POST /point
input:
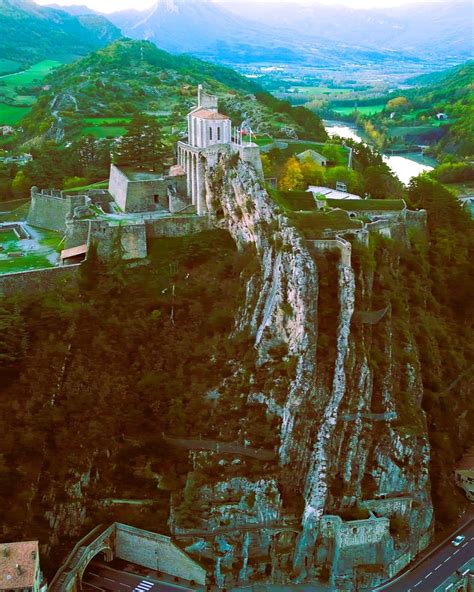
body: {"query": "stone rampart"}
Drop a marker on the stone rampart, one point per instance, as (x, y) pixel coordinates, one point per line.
(396, 506)
(177, 226)
(49, 209)
(156, 551)
(129, 237)
(38, 280)
(250, 153)
(417, 220)
(339, 244)
(145, 195)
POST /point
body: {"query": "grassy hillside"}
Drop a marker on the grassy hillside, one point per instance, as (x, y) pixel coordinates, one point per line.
(30, 33)
(411, 116)
(97, 95)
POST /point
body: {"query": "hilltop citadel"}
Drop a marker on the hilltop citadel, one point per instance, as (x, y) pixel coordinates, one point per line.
(139, 205)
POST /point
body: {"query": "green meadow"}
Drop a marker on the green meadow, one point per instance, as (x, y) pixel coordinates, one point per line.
(16, 90)
(365, 110)
(10, 115)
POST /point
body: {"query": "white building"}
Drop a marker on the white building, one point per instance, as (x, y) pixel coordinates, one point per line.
(209, 133)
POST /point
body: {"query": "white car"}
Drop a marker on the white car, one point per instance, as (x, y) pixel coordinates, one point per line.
(458, 540)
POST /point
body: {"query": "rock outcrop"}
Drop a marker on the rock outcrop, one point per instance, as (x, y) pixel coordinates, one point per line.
(352, 478)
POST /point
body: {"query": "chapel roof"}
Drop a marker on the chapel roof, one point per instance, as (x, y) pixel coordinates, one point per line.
(207, 114)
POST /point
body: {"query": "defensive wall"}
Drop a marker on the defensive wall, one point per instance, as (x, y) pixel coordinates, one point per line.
(144, 192)
(347, 544)
(177, 226)
(49, 209)
(37, 280)
(130, 237)
(343, 247)
(134, 545)
(394, 506)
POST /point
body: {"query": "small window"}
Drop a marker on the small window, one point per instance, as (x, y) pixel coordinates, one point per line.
(218, 133)
(156, 198)
(210, 133)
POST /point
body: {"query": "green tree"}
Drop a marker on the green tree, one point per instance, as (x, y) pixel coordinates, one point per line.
(142, 146)
(353, 179)
(21, 184)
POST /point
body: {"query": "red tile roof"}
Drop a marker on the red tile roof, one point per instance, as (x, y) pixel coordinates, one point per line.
(19, 563)
(74, 252)
(206, 114)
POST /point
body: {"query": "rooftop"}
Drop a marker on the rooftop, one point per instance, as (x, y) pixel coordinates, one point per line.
(18, 565)
(74, 252)
(311, 154)
(138, 175)
(207, 114)
(329, 193)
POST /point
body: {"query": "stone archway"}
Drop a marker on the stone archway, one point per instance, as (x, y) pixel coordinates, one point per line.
(107, 553)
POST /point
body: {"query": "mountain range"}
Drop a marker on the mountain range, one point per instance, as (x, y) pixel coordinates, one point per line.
(242, 32)
(30, 33)
(427, 30)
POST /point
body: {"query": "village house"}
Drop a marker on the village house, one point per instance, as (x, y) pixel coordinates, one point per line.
(314, 156)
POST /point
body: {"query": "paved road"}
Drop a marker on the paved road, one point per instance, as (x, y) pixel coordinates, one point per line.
(437, 566)
(99, 576)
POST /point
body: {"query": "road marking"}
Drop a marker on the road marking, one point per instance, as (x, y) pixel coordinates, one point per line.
(438, 566)
(428, 575)
(466, 543)
(455, 552)
(96, 587)
(447, 559)
(417, 584)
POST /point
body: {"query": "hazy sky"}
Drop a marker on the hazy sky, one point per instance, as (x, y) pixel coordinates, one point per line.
(113, 5)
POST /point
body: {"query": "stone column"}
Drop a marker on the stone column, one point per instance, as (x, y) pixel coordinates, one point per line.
(201, 200)
(194, 179)
(188, 172)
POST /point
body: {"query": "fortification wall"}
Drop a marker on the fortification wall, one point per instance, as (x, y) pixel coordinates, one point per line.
(156, 552)
(177, 226)
(130, 238)
(417, 220)
(36, 281)
(146, 195)
(251, 155)
(118, 186)
(398, 506)
(48, 212)
(342, 246)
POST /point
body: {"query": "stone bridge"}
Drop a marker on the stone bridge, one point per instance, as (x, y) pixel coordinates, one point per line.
(147, 549)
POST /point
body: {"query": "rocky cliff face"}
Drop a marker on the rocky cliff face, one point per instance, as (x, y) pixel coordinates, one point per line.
(352, 438)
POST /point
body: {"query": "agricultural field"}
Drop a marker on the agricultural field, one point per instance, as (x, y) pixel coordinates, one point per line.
(364, 110)
(10, 115)
(8, 66)
(317, 91)
(103, 131)
(16, 90)
(401, 131)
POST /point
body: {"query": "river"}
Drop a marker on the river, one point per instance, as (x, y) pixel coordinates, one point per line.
(405, 167)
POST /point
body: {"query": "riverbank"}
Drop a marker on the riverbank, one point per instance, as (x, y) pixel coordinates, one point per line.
(404, 167)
